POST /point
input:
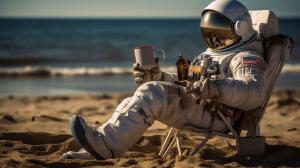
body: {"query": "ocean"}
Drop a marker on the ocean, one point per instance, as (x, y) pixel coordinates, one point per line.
(93, 56)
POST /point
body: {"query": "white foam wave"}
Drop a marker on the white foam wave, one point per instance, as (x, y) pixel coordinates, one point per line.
(93, 71)
(64, 71)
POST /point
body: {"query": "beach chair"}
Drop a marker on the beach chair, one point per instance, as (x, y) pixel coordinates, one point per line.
(278, 49)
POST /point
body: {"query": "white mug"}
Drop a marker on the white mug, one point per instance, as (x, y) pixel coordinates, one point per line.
(145, 56)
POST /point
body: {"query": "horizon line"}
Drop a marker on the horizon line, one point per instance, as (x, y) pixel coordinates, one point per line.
(117, 18)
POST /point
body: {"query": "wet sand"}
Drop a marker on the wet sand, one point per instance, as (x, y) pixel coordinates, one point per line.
(35, 132)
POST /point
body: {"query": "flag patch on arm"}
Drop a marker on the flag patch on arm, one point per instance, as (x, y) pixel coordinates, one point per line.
(257, 61)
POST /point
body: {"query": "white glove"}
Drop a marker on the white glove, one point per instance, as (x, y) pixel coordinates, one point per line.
(203, 89)
(141, 76)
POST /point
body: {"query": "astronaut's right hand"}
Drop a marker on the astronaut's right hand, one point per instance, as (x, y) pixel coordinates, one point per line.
(204, 89)
(141, 76)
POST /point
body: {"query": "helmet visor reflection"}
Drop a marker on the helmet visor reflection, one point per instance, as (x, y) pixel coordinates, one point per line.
(217, 30)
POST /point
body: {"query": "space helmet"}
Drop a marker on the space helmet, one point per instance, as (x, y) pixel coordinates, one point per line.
(226, 24)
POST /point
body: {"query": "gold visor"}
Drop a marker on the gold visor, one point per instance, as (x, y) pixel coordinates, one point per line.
(217, 30)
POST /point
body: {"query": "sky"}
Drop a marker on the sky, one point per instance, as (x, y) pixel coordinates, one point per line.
(131, 8)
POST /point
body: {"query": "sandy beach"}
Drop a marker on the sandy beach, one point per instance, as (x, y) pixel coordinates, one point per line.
(35, 132)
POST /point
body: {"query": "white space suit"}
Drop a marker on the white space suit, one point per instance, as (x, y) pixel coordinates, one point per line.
(239, 85)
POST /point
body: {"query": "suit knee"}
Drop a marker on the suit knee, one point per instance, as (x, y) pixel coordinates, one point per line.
(150, 88)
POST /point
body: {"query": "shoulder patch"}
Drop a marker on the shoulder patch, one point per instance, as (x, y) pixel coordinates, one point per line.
(254, 60)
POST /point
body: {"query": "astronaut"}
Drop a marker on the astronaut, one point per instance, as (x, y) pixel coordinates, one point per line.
(226, 27)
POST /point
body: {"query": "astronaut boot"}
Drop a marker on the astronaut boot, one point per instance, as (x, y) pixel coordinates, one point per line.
(117, 135)
(89, 138)
(81, 154)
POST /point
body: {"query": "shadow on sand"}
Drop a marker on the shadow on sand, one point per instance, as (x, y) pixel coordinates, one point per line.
(275, 156)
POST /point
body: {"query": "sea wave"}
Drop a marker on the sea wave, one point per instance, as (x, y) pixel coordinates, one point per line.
(31, 71)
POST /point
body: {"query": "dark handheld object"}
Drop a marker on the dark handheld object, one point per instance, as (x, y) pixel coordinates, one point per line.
(182, 68)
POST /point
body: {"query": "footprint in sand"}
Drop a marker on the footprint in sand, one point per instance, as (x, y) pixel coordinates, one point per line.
(7, 119)
(87, 111)
(47, 117)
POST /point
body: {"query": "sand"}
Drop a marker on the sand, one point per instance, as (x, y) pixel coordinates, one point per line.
(35, 132)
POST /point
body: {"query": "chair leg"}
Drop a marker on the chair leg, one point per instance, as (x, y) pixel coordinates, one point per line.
(165, 144)
(253, 130)
(170, 146)
(228, 125)
(199, 146)
(178, 146)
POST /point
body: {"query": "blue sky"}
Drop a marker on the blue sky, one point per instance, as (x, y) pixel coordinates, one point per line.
(131, 8)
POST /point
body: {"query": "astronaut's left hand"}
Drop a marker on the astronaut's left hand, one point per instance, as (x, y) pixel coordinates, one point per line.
(141, 76)
(203, 88)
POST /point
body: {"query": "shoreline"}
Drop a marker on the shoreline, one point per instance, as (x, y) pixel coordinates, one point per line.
(109, 94)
